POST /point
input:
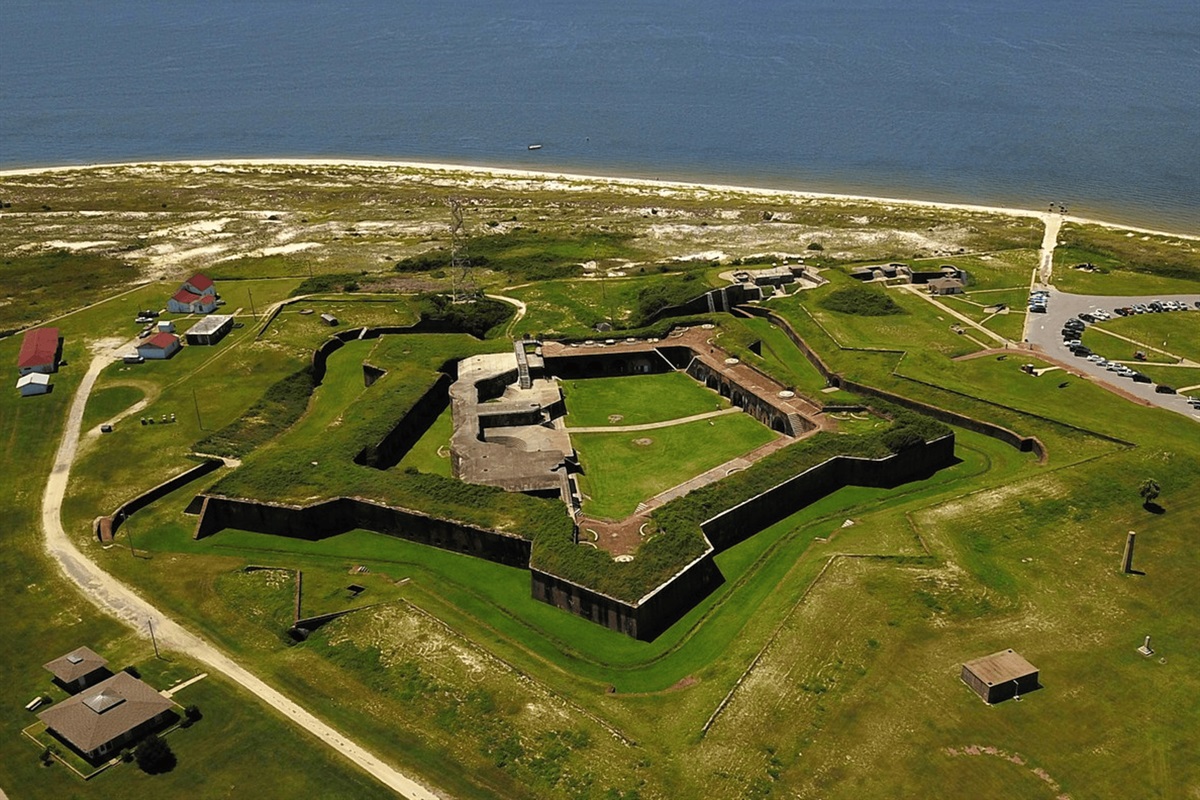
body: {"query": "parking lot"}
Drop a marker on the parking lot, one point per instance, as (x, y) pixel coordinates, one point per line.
(1044, 331)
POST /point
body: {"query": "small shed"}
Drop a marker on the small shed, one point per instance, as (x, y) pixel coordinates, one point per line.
(330, 320)
(1000, 676)
(160, 345)
(78, 669)
(166, 326)
(33, 383)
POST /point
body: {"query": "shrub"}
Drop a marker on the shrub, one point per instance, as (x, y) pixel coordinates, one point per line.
(324, 284)
(154, 756)
(476, 317)
(192, 713)
(861, 301)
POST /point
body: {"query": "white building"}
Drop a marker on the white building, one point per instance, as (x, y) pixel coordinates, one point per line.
(33, 383)
(160, 345)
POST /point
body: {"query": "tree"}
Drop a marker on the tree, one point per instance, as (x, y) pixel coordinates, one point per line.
(1149, 491)
(154, 756)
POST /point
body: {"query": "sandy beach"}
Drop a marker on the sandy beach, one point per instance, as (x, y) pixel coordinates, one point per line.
(499, 173)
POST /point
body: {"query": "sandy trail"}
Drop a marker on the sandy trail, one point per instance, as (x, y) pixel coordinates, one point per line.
(521, 309)
(115, 598)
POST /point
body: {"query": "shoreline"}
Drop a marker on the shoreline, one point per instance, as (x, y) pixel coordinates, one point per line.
(518, 173)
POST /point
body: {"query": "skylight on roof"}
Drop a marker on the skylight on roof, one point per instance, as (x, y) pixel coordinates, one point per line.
(105, 701)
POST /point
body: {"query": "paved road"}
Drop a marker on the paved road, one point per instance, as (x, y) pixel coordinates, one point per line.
(1044, 331)
(118, 599)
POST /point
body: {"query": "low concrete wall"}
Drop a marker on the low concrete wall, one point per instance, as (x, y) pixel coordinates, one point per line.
(106, 527)
(342, 514)
(781, 501)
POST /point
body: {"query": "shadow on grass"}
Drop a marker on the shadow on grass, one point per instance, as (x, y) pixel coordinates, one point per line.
(1154, 508)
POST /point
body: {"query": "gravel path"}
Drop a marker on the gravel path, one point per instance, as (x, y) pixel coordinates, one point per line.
(114, 597)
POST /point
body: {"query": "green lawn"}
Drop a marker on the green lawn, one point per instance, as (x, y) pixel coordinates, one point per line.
(636, 399)
(999, 270)
(620, 470)
(1174, 332)
(431, 453)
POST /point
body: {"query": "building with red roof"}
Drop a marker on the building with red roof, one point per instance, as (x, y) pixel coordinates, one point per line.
(188, 302)
(40, 351)
(160, 345)
(200, 284)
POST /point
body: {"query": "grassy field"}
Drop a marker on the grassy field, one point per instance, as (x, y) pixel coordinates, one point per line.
(636, 399)
(622, 469)
(1174, 333)
(833, 645)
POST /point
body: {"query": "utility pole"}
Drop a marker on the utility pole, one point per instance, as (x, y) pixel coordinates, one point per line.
(252, 311)
(129, 538)
(150, 623)
(196, 403)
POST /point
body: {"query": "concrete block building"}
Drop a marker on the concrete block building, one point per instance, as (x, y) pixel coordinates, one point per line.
(1000, 676)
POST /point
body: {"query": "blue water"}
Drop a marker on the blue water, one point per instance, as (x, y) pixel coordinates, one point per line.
(1092, 104)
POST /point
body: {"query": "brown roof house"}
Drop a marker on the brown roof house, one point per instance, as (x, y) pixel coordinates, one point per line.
(100, 721)
(945, 286)
(78, 669)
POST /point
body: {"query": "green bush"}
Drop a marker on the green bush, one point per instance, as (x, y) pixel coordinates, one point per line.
(860, 301)
(476, 317)
(325, 284)
(154, 756)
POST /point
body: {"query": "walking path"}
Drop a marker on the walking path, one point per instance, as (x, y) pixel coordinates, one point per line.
(521, 309)
(963, 318)
(649, 426)
(1049, 242)
(115, 598)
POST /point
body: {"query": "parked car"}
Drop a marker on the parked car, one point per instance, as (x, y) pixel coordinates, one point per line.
(1139, 377)
(1162, 388)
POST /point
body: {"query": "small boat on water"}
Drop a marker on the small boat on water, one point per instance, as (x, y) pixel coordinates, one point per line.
(535, 147)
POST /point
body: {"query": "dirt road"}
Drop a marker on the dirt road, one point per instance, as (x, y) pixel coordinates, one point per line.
(113, 597)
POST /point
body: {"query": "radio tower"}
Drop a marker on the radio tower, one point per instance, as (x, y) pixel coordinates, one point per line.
(460, 262)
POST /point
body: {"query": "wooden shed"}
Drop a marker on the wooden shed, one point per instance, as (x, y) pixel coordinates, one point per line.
(1000, 676)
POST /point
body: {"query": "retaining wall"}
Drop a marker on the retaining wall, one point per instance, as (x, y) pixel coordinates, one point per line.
(409, 429)
(1023, 443)
(645, 619)
(342, 514)
(781, 501)
(107, 526)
